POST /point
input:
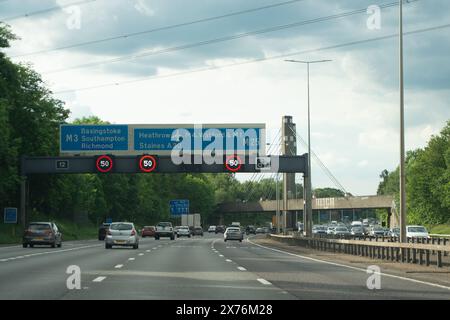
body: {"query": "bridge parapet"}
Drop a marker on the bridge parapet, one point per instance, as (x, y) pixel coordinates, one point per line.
(362, 202)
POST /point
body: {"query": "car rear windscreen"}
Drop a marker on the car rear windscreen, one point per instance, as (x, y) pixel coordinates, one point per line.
(164, 224)
(121, 226)
(39, 227)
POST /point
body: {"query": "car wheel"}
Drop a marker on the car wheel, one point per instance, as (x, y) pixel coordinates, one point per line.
(189, 236)
(136, 246)
(240, 240)
(156, 238)
(24, 245)
(60, 245)
(31, 245)
(225, 240)
(172, 238)
(53, 245)
(107, 246)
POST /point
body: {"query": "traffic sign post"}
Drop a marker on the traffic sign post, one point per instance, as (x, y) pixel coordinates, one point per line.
(104, 163)
(179, 207)
(147, 163)
(10, 215)
(233, 163)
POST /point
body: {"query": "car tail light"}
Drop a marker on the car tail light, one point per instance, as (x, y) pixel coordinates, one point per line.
(133, 232)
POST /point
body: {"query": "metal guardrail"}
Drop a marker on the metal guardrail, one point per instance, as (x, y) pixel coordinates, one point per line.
(421, 253)
(433, 239)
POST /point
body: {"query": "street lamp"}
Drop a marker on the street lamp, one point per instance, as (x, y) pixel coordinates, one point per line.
(307, 212)
(402, 133)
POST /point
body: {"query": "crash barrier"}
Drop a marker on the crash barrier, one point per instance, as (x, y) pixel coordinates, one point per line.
(416, 253)
(433, 239)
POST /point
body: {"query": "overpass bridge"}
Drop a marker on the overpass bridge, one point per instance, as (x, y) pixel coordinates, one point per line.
(324, 209)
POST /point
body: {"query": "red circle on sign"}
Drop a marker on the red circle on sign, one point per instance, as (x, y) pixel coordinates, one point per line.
(147, 157)
(233, 157)
(107, 158)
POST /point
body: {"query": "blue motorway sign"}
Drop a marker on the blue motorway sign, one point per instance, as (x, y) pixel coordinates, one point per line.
(164, 139)
(179, 207)
(133, 139)
(109, 220)
(88, 138)
(10, 215)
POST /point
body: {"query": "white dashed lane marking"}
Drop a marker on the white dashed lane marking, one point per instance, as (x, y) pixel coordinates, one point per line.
(131, 259)
(119, 266)
(99, 279)
(264, 281)
(242, 268)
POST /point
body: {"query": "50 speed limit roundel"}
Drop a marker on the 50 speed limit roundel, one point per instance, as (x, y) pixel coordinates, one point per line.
(147, 163)
(104, 163)
(233, 163)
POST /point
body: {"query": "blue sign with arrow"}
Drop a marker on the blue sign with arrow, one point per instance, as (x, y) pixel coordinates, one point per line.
(179, 207)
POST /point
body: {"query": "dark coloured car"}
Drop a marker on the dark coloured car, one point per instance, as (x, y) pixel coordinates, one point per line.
(148, 231)
(102, 231)
(250, 230)
(220, 229)
(198, 231)
(42, 233)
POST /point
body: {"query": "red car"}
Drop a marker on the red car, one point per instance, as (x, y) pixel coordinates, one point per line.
(148, 231)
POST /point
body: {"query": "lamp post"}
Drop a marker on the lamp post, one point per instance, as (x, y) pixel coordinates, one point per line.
(307, 212)
(402, 132)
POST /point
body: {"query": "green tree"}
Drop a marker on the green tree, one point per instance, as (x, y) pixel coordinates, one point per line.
(328, 193)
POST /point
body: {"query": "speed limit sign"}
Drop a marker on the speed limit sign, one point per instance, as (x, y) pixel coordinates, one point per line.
(233, 163)
(147, 163)
(104, 164)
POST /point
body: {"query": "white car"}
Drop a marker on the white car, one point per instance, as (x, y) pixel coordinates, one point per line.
(416, 232)
(183, 231)
(233, 233)
(330, 230)
(212, 229)
(121, 234)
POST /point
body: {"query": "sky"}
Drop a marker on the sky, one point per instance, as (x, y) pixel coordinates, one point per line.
(222, 61)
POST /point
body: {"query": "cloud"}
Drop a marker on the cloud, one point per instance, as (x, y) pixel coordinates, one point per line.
(354, 99)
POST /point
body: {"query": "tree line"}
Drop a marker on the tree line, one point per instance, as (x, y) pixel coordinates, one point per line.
(427, 181)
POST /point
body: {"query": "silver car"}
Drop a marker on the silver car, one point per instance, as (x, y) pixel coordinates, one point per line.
(341, 231)
(233, 233)
(184, 231)
(122, 234)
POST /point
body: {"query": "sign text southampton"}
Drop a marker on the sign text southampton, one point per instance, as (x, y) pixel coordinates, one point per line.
(161, 139)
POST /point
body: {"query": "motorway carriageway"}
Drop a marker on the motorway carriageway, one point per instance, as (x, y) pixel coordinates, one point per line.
(192, 268)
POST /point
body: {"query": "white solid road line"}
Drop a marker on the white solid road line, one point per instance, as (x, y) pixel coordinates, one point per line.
(119, 266)
(242, 268)
(48, 252)
(353, 268)
(99, 279)
(264, 281)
